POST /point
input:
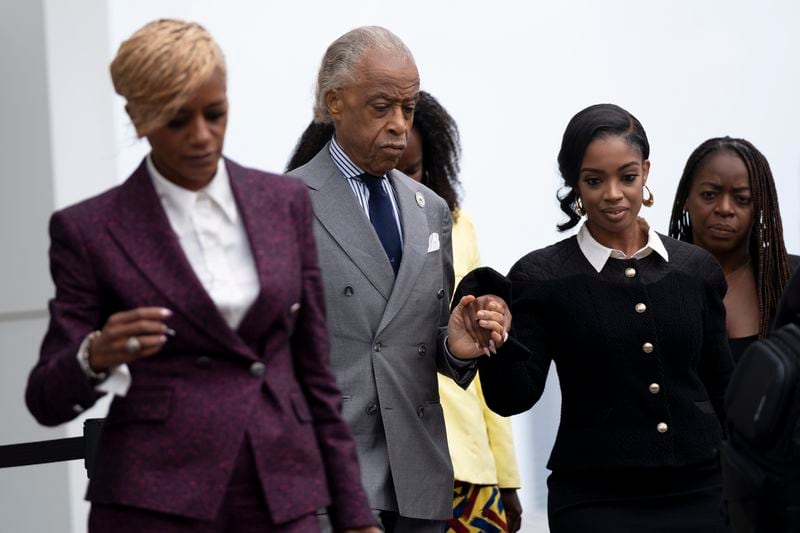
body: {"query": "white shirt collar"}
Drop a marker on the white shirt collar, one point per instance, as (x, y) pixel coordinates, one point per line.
(598, 255)
(183, 200)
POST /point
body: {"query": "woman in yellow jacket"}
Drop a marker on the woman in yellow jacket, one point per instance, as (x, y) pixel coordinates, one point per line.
(480, 441)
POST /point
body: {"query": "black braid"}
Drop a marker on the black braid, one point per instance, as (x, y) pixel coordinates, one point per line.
(767, 249)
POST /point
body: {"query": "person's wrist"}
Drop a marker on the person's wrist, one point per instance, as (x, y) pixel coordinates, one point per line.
(449, 351)
(86, 358)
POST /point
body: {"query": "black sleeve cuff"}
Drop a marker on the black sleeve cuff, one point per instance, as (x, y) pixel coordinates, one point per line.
(481, 281)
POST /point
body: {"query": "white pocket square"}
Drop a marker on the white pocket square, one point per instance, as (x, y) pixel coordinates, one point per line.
(433, 242)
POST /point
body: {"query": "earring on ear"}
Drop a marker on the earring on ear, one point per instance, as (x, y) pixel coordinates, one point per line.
(579, 207)
(650, 200)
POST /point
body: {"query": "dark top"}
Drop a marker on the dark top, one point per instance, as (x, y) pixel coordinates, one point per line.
(739, 345)
(640, 386)
(789, 308)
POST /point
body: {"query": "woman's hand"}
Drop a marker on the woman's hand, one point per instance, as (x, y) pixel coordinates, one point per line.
(128, 336)
(513, 509)
(478, 326)
(364, 530)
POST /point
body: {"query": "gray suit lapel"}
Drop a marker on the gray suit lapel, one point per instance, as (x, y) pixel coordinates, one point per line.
(337, 209)
(415, 245)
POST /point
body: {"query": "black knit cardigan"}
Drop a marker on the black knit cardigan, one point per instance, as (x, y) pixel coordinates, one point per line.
(640, 348)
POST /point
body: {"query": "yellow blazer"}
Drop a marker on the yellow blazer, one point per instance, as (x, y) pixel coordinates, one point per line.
(480, 441)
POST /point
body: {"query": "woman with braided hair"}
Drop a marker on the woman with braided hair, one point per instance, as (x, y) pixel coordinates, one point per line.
(726, 202)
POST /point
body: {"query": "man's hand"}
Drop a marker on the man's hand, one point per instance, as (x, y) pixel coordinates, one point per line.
(478, 326)
(513, 509)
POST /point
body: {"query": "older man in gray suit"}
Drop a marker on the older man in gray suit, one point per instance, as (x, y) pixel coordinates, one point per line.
(386, 259)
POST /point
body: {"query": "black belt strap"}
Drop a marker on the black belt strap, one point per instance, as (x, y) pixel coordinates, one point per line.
(45, 451)
(51, 451)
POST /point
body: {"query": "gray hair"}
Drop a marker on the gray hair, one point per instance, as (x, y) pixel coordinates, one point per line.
(342, 56)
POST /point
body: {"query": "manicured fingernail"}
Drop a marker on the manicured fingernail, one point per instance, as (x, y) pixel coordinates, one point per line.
(165, 312)
(492, 347)
(170, 332)
(486, 352)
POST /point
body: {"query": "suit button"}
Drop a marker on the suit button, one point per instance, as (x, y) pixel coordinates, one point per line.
(640, 308)
(655, 388)
(440, 293)
(348, 291)
(662, 427)
(257, 369)
(377, 347)
(371, 409)
(630, 272)
(203, 362)
(647, 347)
(420, 411)
(422, 349)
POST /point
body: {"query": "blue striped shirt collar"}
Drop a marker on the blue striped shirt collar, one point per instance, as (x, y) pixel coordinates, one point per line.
(343, 162)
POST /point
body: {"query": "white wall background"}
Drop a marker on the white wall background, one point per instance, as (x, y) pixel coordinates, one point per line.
(511, 73)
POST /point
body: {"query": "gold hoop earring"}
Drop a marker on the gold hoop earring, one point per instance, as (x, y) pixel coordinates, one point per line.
(579, 207)
(650, 200)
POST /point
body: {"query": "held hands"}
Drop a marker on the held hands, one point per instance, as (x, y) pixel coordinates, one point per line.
(478, 326)
(128, 336)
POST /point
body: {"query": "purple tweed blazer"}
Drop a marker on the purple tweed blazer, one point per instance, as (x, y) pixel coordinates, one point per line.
(171, 443)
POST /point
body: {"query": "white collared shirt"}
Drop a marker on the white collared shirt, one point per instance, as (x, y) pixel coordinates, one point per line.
(213, 238)
(598, 255)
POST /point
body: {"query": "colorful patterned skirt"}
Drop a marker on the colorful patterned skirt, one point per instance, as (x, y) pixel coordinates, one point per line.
(476, 509)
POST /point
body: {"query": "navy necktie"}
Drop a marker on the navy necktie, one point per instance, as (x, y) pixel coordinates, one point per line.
(383, 220)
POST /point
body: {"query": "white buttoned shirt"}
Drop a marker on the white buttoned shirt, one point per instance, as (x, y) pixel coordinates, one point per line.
(211, 234)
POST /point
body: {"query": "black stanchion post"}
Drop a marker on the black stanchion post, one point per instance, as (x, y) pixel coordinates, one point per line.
(92, 428)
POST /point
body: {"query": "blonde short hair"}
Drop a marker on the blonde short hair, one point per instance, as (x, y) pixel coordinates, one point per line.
(160, 67)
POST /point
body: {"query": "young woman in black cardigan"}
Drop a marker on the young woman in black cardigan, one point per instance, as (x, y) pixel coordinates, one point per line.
(635, 323)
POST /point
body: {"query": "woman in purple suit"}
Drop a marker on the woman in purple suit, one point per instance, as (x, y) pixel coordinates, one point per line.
(192, 293)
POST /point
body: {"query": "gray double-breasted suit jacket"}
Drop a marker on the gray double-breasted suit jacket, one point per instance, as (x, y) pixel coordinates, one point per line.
(387, 336)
